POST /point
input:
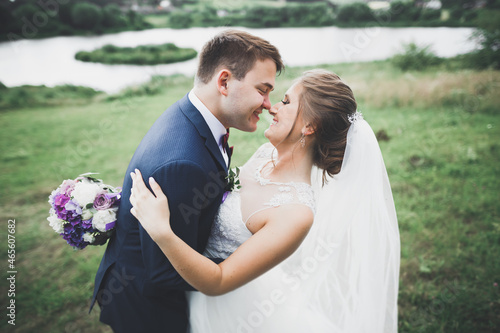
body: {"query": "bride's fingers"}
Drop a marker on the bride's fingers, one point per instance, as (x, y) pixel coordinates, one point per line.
(138, 178)
(133, 212)
(158, 192)
(138, 183)
(133, 176)
(132, 199)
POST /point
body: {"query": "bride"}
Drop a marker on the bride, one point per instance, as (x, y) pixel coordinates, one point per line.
(310, 241)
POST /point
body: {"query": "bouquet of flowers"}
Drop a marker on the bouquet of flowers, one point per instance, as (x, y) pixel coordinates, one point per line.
(83, 211)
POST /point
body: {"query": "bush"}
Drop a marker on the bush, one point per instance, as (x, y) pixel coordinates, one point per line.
(86, 16)
(180, 20)
(27, 11)
(430, 15)
(356, 12)
(65, 12)
(112, 16)
(110, 48)
(415, 58)
(83, 56)
(9, 22)
(404, 11)
(488, 36)
(456, 13)
(312, 15)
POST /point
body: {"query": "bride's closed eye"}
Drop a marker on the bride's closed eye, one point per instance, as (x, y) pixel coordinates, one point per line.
(285, 101)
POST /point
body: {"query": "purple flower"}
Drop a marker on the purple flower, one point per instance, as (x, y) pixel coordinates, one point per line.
(67, 187)
(224, 196)
(71, 205)
(68, 228)
(72, 212)
(75, 238)
(60, 200)
(105, 200)
(52, 197)
(110, 225)
(116, 196)
(87, 224)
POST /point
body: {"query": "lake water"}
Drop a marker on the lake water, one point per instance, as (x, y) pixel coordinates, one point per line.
(51, 61)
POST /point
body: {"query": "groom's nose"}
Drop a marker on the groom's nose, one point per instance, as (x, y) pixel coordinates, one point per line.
(266, 103)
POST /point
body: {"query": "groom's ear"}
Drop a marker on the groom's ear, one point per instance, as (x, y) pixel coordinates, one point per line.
(222, 80)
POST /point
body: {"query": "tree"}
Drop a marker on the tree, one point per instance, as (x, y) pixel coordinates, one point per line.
(404, 11)
(180, 19)
(458, 3)
(112, 16)
(86, 16)
(493, 4)
(27, 10)
(179, 3)
(356, 12)
(488, 36)
(9, 22)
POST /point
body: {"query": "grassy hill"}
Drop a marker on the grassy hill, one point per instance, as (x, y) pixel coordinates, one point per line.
(439, 133)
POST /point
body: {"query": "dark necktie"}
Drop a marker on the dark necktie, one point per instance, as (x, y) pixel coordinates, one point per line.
(224, 140)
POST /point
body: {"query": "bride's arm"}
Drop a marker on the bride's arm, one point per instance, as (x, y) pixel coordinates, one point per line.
(281, 235)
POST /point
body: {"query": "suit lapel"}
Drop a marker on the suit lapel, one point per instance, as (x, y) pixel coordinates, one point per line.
(229, 151)
(196, 118)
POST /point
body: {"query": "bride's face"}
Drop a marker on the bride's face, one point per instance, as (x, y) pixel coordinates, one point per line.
(284, 114)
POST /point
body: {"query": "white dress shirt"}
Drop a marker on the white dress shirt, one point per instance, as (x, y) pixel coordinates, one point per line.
(218, 130)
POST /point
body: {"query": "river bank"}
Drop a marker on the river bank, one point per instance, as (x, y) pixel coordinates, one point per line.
(51, 61)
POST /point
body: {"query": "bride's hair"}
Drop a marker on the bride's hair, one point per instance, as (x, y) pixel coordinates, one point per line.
(326, 102)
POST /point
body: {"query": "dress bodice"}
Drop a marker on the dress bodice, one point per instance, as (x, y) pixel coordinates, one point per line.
(229, 229)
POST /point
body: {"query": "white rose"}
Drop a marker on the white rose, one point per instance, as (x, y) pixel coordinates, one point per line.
(84, 193)
(86, 214)
(103, 217)
(56, 223)
(88, 237)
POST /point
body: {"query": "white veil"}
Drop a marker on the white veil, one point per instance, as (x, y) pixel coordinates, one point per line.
(347, 268)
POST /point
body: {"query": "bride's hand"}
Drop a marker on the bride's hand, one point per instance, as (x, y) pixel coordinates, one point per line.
(152, 211)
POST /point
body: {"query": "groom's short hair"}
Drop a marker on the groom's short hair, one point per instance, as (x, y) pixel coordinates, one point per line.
(237, 51)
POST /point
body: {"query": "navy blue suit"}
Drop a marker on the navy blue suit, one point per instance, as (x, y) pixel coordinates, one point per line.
(136, 286)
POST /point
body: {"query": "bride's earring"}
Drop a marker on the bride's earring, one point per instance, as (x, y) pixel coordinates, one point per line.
(303, 141)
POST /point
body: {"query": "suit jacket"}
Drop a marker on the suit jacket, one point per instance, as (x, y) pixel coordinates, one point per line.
(136, 286)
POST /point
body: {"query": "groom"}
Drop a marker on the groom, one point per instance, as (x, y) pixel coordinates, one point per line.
(136, 287)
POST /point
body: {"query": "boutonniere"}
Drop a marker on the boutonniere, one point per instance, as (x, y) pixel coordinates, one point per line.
(233, 182)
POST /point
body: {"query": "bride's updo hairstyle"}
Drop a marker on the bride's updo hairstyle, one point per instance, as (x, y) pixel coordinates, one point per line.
(325, 103)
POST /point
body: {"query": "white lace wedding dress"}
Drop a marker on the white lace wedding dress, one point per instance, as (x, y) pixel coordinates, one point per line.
(264, 304)
(344, 276)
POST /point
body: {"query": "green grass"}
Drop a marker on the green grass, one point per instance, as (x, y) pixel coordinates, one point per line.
(32, 96)
(442, 156)
(157, 20)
